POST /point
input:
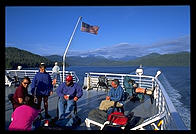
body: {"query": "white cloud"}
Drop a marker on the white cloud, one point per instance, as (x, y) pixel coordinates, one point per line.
(126, 49)
(117, 50)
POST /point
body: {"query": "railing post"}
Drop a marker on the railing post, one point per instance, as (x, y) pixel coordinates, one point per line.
(88, 81)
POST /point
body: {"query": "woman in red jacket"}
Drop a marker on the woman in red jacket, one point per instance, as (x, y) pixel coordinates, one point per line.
(21, 92)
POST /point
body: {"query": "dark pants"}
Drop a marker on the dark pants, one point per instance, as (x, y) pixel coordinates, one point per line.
(45, 99)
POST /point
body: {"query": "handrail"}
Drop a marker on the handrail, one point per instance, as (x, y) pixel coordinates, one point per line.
(143, 76)
(161, 98)
(31, 73)
(143, 81)
(172, 110)
(150, 120)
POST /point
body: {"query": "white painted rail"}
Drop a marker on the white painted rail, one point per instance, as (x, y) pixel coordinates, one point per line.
(166, 111)
(31, 74)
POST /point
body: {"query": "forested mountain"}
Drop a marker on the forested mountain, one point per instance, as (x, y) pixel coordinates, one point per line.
(55, 58)
(15, 57)
(154, 59)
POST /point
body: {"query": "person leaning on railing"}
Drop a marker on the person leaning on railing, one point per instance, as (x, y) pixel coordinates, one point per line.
(56, 74)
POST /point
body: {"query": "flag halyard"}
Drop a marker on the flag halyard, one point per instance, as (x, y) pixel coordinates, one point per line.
(88, 28)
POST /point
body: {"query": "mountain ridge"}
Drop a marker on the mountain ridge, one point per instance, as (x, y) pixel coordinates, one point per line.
(15, 57)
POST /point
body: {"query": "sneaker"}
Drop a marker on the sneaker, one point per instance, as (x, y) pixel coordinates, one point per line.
(47, 116)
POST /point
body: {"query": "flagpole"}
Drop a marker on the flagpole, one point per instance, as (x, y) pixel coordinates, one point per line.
(68, 47)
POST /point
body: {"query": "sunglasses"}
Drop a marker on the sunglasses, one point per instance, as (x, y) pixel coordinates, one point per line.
(26, 83)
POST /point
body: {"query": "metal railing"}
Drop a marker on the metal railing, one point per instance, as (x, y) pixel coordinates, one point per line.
(172, 119)
(166, 111)
(31, 74)
(143, 81)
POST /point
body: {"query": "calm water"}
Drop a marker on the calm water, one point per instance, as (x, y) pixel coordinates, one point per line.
(176, 80)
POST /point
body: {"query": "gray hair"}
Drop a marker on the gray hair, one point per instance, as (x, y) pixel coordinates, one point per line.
(116, 81)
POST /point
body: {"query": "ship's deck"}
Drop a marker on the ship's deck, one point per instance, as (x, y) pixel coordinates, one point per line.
(90, 100)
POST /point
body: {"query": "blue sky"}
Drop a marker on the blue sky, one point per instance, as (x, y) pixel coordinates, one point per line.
(124, 30)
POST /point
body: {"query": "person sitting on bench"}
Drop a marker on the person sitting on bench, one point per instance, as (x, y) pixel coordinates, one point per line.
(69, 92)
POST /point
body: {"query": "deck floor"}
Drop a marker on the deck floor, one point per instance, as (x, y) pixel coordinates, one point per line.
(90, 100)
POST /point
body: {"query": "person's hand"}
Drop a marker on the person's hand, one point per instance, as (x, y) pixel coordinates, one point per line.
(76, 98)
(66, 97)
(35, 100)
(51, 92)
(107, 97)
(54, 82)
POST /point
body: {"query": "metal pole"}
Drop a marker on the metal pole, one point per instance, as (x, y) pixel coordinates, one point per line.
(68, 47)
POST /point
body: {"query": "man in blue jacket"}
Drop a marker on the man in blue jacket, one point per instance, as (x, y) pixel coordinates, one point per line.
(115, 94)
(68, 92)
(42, 87)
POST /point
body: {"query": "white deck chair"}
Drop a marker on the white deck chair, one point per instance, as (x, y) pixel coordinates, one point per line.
(149, 121)
(7, 81)
(89, 121)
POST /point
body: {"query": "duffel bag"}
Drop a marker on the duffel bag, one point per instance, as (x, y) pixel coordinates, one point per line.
(118, 118)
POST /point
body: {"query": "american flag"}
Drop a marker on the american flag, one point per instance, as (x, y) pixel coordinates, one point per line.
(88, 28)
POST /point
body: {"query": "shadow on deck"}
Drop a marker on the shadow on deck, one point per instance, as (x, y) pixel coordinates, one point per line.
(90, 100)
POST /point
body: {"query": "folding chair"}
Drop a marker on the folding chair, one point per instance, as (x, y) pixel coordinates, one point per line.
(102, 82)
(101, 125)
(10, 98)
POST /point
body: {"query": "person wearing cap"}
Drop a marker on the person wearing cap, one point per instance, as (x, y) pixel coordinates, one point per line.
(68, 92)
(42, 87)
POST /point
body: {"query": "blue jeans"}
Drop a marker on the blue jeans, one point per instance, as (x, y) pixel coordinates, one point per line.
(65, 107)
(57, 77)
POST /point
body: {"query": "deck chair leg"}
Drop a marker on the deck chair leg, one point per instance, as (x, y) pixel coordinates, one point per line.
(87, 123)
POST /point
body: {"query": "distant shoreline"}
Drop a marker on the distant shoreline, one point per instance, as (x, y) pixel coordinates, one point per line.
(16, 57)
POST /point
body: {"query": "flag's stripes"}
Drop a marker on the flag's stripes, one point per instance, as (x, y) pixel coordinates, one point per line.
(88, 28)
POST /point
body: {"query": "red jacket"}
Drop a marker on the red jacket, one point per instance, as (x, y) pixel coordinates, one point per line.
(20, 92)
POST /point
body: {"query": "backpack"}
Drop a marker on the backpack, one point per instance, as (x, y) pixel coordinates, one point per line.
(118, 118)
(125, 96)
(71, 122)
(133, 122)
(128, 87)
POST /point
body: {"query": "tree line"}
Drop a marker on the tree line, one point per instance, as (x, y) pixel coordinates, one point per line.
(15, 57)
